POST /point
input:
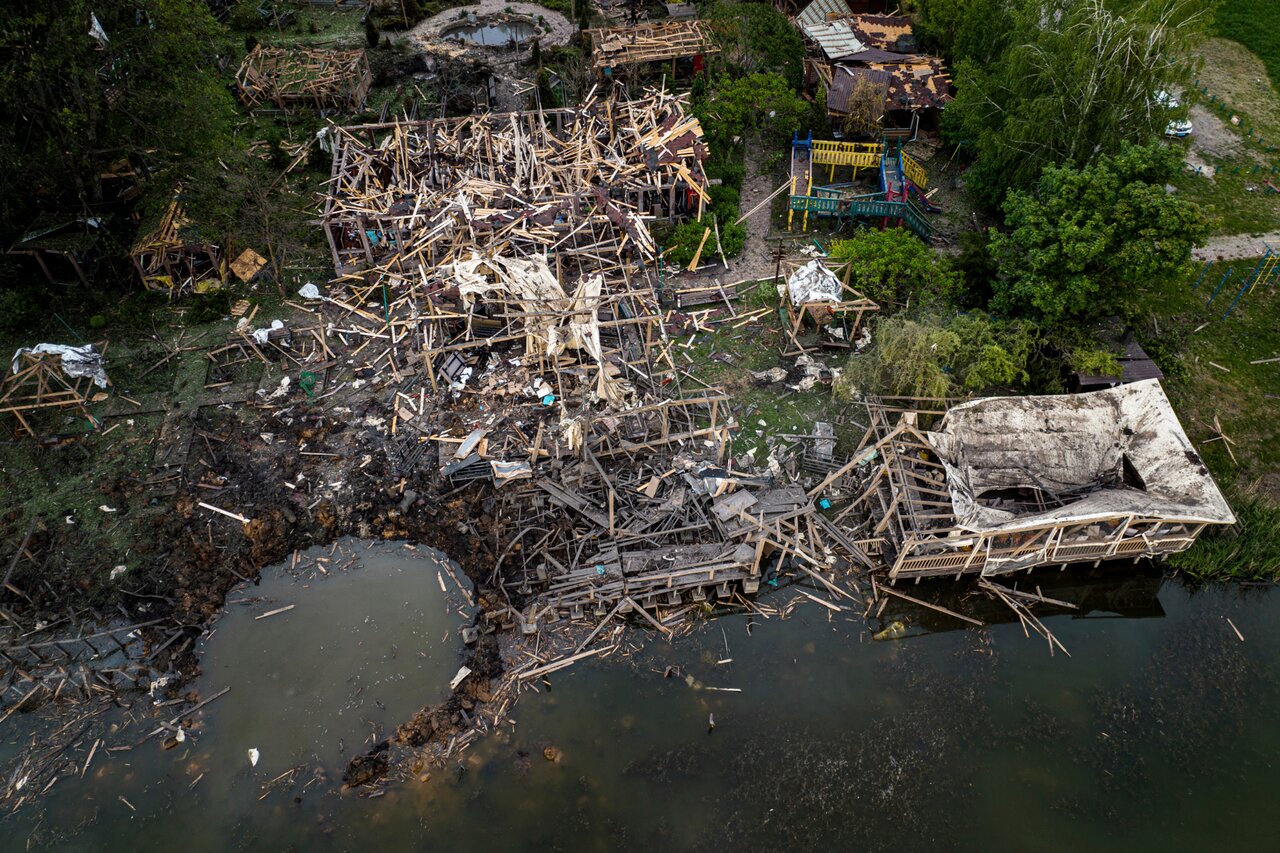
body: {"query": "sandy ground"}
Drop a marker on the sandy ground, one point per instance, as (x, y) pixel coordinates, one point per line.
(756, 261)
(1233, 247)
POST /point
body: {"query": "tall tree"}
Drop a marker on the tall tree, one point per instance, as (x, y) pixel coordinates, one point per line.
(143, 83)
(1077, 80)
(1086, 239)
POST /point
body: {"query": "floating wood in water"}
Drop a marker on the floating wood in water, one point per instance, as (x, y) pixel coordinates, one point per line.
(564, 662)
(938, 607)
(284, 609)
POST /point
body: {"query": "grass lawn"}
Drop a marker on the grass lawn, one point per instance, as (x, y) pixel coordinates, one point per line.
(1256, 25)
(1210, 375)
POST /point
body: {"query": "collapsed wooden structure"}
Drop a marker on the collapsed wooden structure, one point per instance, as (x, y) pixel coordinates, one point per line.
(578, 183)
(870, 68)
(508, 258)
(304, 77)
(39, 381)
(172, 259)
(619, 48)
(1005, 484)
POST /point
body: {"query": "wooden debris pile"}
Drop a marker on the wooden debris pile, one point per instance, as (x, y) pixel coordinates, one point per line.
(39, 380)
(652, 41)
(173, 259)
(579, 184)
(305, 77)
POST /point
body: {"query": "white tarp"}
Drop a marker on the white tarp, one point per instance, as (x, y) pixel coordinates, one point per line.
(813, 282)
(76, 361)
(556, 322)
(1123, 448)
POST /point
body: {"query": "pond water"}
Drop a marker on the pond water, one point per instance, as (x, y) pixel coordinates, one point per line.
(493, 33)
(1157, 730)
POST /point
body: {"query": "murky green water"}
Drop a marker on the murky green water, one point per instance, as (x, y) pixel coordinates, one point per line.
(1157, 732)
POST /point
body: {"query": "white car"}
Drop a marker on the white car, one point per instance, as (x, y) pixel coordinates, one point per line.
(1179, 128)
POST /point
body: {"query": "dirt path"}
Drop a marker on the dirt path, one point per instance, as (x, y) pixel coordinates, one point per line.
(756, 261)
(1234, 247)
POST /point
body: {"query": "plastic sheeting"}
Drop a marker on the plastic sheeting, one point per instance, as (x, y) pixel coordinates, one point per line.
(1120, 451)
(76, 361)
(813, 282)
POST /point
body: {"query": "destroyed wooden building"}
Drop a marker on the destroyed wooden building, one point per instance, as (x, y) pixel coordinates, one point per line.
(507, 258)
(1005, 484)
(618, 51)
(50, 378)
(871, 69)
(304, 78)
(577, 183)
(175, 256)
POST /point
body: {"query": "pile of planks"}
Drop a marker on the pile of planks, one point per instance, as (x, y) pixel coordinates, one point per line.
(579, 184)
(304, 77)
(653, 41)
(169, 259)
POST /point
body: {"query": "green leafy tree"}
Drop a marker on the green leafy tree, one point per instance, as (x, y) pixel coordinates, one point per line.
(763, 103)
(1085, 238)
(893, 267)
(934, 357)
(75, 106)
(977, 30)
(754, 38)
(1076, 81)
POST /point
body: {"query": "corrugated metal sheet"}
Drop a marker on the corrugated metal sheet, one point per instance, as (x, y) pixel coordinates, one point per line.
(817, 11)
(836, 38)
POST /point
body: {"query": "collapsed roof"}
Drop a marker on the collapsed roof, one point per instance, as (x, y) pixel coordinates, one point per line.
(1119, 451)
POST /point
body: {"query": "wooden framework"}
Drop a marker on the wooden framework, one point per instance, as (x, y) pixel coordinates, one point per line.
(908, 516)
(656, 41)
(305, 77)
(37, 383)
(848, 312)
(167, 260)
(577, 183)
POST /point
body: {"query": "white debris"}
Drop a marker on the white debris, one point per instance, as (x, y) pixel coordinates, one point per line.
(463, 672)
(253, 757)
(263, 335)
(76, 361)
(813, 282)
(309, 290)
(118, 571)
(106, 508)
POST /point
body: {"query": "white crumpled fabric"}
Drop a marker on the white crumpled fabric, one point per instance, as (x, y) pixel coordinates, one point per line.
(76, 361)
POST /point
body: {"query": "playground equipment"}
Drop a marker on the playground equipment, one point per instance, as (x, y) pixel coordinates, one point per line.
(901, 177)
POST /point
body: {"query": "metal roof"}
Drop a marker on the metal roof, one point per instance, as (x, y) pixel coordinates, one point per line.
(836, 38)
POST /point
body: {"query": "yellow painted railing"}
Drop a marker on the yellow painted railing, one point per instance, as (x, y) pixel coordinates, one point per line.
(915, 172)
(860, 155)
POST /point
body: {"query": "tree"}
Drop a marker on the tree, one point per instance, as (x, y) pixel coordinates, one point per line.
(1076, 81)
(761, 103)
(754, 37)
(1086, 238)
(893, 267)
(964, 29)
(76, 105)
(935, 357)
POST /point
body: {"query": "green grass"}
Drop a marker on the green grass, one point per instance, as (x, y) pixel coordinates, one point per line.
(727, 357)
(1242, 397)
(1256, 25)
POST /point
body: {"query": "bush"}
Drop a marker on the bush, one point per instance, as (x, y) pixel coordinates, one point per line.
(894, 268)
(684, 239)
(928, 357)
